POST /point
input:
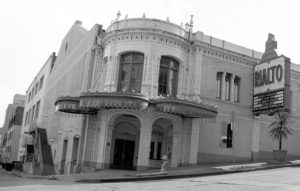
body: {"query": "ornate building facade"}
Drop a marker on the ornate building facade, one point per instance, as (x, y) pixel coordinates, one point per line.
(144, 88)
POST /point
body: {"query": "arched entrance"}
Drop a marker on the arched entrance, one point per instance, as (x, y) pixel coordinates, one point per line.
(161, 142)
(125, 142)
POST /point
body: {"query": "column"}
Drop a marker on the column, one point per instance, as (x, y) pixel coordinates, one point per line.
(223, 86)
(255, 139)
(82, 142)
(194, 141)
(102, 141)
(144, 146)
(85, 140)
(232, 88)
(176, 150)
(197, 73)
(185, 143)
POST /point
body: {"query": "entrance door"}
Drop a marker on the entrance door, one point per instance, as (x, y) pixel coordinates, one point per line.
(123, 154)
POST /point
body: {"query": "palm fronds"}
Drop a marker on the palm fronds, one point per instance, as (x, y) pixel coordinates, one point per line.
(280, 127)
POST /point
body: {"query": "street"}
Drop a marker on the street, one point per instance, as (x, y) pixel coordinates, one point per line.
(283, 179)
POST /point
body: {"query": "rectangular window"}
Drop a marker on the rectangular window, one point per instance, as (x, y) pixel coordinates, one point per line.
(131, 72)
(227, 86)
(37, 110)
(168, 76)
(32, 114)
(32, 92)
(237, 82)
(163, 80)
(41, 82)
(26, 117)
(36, 88)
(219, 85)
(29, 116)
(29, 97)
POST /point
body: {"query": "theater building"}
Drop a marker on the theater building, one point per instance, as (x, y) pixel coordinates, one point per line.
(144, 88)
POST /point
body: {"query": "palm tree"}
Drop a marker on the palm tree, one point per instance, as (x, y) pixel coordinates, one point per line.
(280, 127)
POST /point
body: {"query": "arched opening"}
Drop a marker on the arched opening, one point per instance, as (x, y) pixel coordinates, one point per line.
(161, 142)
(63, 156)
(74, 153)
(125, 142)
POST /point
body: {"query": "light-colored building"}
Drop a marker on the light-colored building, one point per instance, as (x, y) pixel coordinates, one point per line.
(33, 150)
(144, 88)
(1, 141)
(12, 129)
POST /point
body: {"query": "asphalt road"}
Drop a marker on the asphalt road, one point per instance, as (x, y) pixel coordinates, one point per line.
(283, 179)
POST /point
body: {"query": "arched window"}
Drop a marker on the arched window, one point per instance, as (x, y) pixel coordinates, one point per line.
(168, 76)
(131, 72)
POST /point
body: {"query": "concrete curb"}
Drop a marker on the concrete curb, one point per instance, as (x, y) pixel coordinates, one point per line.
(23, 175)
(176, 176)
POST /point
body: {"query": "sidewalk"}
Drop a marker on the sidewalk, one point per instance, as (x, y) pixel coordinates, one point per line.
(111, 175)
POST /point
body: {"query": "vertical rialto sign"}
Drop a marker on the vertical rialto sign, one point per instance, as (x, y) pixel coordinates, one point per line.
(271, 86)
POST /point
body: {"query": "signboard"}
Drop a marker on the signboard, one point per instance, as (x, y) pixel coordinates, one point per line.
(271, 86)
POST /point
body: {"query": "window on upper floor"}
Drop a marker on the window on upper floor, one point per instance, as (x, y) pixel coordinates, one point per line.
(32, 93)
(37, 110)
(41, 82)
(131, 72)
(219, 85)
(29, 97)
(26, 117)
(168, 76)
(236, 93)
(29, 116)
(36, 88)
(32, 114)
(227, 86)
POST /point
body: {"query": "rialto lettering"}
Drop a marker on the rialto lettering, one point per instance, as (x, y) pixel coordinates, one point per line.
(268, 75)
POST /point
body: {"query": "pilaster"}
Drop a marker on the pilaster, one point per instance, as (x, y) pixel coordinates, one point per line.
(102, 140)
(144, 143)
(255, 139)
(197, 73)
(176, 150)
(194, 141)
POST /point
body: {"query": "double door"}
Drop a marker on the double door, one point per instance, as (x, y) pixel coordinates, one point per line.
(123, 154)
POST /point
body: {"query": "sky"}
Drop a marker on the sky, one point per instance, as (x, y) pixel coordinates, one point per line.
(31, 30)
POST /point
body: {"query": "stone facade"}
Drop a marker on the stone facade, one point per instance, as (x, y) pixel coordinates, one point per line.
(142, 121)
(34, 107)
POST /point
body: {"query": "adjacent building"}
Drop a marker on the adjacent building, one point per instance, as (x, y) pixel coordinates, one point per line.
(11, 129)
(34, 151)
